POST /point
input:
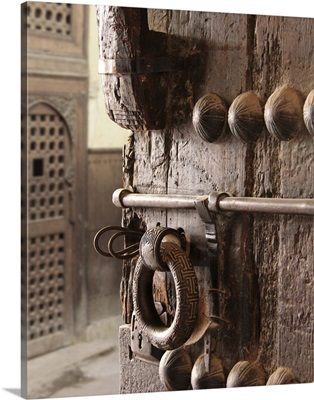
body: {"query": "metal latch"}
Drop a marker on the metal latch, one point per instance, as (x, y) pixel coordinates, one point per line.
(218, 202)
(141, 348)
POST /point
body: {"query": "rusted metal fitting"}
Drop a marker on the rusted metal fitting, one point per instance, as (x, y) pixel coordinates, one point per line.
(207, 204)
(187, 300)
(150, 246)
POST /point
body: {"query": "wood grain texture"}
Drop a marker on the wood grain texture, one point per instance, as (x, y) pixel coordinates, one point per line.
(178, 161)
(269, 271)
(136, 100)
(283, 54)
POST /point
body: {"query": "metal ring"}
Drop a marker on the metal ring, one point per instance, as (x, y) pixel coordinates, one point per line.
(127, 252)
(150, 246)
(187, 299)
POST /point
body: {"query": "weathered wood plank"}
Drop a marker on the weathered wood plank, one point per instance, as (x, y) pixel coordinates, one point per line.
(180, 162)
(198, 167)
(284, 54)
(125, 46)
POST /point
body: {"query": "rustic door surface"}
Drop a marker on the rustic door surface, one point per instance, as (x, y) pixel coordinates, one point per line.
(268, 275)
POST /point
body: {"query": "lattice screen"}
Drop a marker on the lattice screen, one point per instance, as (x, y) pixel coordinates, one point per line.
(47, 149)
(45, 285)
(53, 18)
(48, 152)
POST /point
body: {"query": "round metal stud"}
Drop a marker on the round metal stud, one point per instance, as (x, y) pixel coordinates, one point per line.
(175, 369)
(284, 113)
(245, 117)
(308, 113)
(210, 117)
(282, 376)
(212, 379)
(245, 373)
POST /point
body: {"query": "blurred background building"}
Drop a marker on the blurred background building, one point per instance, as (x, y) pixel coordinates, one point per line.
(73, 162)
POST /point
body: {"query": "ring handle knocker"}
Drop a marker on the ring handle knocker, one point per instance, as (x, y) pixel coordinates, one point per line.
(187, 299)
(149, 248)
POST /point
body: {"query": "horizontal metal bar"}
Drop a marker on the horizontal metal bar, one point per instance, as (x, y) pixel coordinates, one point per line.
(267, 205)
(124, 198)
(129, 199)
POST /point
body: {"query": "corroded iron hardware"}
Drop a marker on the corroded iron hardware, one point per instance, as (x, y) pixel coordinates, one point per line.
(158, 249)
(141, 348)
(125, 198)
(208, 371)
(216, 227)
(123, 254)
(115, 232)
(285, 115)
(159, 254)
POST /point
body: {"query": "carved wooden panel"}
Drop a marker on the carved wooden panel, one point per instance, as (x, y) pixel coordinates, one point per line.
(46, 285)
(51, 18)
(48, 199)
(54, 28)
(49, 156)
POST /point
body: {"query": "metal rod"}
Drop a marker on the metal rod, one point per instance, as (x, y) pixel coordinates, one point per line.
(270, 206)
(155, 201)
(124, 198)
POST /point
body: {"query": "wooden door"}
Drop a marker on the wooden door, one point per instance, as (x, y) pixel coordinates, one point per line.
(50, 307)
(268, 276)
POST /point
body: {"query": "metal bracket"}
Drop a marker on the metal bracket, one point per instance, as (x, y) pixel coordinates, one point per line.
(216, 221)
(141, 348)
(217, 225)
(209, 338)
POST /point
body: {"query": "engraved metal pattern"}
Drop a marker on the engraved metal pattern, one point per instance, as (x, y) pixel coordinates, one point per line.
(187, 300)
(46, 259)
(51, 18)
(150, 247)
(47, 149)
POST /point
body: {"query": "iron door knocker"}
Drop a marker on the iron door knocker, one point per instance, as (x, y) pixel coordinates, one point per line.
(175, 259)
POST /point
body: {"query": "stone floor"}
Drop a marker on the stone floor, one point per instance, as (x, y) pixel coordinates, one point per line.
(83, 369)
